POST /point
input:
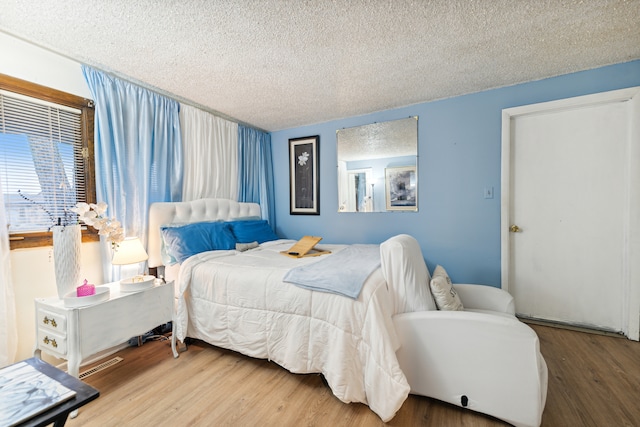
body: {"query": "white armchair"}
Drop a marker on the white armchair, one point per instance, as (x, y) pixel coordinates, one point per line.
(482, 358)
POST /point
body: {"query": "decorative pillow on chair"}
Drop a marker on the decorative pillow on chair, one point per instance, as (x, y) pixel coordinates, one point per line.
(443, 292)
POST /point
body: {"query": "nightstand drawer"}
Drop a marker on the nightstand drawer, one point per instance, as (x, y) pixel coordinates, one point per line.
(52, 342)
(52, 321)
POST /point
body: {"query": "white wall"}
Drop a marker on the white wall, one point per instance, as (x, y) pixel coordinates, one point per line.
(32, 269)
(37, 65)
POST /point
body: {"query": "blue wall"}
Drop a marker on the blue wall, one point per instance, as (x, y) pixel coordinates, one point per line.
(459, 149)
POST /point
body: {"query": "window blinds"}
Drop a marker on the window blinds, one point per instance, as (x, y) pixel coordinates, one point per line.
(41, 162)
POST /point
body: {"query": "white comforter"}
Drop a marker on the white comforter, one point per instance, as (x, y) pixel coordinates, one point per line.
(238, 301)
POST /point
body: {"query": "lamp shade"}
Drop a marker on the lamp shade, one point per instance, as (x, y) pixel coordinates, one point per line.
(129, 251)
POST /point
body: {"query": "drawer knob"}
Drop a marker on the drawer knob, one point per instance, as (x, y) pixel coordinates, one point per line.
(46, 321)
(48, 341)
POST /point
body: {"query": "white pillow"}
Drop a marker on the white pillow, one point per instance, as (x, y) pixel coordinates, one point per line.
(443, 292)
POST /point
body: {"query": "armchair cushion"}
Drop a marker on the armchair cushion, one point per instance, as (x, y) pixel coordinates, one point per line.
(443, 291)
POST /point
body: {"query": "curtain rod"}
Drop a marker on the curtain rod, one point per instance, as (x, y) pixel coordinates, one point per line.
(140, 83)
(180, 99)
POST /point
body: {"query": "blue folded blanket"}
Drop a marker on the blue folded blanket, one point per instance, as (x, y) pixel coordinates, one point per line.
(342, 272)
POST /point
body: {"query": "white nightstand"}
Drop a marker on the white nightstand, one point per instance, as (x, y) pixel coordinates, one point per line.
(75, 334)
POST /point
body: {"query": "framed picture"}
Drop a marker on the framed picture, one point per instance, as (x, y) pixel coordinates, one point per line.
(401, 191)
(304, 181)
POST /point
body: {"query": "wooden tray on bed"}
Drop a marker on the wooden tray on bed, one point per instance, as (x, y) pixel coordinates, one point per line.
(304, 248)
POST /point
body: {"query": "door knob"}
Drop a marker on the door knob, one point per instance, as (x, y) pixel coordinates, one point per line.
(514, 229)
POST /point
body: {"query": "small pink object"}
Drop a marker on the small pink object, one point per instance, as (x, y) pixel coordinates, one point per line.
(85, 290)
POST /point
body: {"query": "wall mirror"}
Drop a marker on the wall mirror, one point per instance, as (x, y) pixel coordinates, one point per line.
(377, 167)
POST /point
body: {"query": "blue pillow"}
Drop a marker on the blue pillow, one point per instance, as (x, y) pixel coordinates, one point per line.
(167, 258)
(252, 231)
(183, 242)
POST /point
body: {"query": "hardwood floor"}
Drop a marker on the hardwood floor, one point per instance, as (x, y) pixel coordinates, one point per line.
(594, 380)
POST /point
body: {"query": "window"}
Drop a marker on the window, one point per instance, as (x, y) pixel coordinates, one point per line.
(46, 159)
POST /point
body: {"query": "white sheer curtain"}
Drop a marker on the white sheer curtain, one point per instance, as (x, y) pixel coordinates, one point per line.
(8, 327)
(210, 153)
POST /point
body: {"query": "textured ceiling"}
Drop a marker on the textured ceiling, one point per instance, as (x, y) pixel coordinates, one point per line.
(393, 138)
(276, 64)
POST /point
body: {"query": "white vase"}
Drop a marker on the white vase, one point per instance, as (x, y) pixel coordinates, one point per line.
(67, 242)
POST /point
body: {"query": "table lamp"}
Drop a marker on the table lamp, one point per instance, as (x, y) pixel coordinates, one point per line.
(131, 251)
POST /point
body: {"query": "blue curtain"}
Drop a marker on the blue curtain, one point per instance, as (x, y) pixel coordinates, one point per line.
(255, 171)
(138, 152)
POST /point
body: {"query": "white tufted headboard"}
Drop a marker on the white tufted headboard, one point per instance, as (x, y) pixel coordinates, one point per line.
(163, 213)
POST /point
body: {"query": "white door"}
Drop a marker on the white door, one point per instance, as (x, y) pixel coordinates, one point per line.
(570, 210)
(359, 190)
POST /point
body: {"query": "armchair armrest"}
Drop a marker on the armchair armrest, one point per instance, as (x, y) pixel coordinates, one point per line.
(485, 362)
(482, 297)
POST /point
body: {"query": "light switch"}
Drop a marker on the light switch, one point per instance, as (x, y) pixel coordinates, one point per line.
(488, 192)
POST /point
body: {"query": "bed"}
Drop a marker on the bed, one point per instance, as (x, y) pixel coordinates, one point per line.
(385, 340)
(237, 299)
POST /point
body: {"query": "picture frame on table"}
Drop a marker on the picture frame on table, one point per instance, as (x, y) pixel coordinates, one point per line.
(304, 180)
(401, 188)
